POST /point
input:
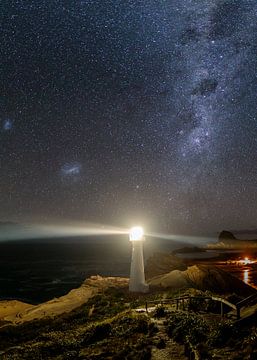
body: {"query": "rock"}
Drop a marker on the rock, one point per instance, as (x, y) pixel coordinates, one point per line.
(226, 235)
(228, 241)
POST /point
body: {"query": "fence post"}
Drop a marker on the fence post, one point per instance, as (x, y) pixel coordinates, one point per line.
(221, 309)
(238, 312)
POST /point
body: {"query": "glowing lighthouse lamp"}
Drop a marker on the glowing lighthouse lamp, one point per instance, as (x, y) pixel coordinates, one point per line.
(137, 274)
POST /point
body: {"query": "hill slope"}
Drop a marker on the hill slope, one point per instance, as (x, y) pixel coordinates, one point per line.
(202, 277)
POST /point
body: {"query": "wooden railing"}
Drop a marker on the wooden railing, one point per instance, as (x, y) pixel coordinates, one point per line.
(247, 301)
(237, 307)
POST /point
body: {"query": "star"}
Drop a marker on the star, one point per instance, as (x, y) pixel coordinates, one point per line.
(115, 105)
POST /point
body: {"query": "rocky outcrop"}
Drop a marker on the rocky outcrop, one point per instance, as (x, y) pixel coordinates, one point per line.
(228, 241)
(226, 235)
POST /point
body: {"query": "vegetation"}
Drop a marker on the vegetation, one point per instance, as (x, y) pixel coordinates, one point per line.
(92, 331)
(89, 340)
(106, 327)
(209, 337)
(183, 327)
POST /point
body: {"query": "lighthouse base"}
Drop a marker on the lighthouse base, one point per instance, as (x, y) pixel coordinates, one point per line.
(141, 288)
(137, 275)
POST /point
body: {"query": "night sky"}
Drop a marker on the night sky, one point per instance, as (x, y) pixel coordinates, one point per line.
(117, 111)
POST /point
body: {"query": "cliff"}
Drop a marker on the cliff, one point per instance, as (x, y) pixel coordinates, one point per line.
(203, 277)
(18, 312)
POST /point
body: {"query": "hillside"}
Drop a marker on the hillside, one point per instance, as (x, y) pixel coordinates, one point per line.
(162, 263)
(100, 319)
(107, 326)
(18, 312)
(202, 277)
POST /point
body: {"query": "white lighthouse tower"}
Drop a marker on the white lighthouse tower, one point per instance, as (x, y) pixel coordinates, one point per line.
(137, 274)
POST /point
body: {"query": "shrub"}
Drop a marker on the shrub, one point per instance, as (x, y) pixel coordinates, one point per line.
(220, 335)
(129, 324)
(97, 333)
(161, 344)
(152, 328)
(159, 311)
(180, 326)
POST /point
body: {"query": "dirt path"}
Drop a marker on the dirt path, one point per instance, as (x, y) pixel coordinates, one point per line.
(172, 350)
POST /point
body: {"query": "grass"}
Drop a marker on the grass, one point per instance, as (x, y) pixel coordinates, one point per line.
(95, 330)
(89, 340)
(106, 328)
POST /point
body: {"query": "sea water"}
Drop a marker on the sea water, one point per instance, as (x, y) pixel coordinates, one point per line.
(36, 271)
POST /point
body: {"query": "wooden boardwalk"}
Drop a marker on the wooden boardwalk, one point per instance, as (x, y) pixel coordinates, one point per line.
(239, 310)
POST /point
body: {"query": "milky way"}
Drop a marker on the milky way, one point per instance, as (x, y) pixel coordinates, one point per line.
(117, 111)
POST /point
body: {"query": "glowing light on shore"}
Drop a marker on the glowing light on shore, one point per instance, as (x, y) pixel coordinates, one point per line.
(246, 261)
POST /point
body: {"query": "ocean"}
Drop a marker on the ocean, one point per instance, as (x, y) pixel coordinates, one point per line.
(37, 271)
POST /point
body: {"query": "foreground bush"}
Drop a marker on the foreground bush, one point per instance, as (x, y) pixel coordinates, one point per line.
(221, 334)
(186, 326)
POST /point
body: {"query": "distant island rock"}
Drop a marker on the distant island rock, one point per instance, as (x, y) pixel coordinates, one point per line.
(226, 235)
(227, 240)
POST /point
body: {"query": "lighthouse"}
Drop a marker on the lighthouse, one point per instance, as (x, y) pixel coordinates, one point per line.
(137, 274)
